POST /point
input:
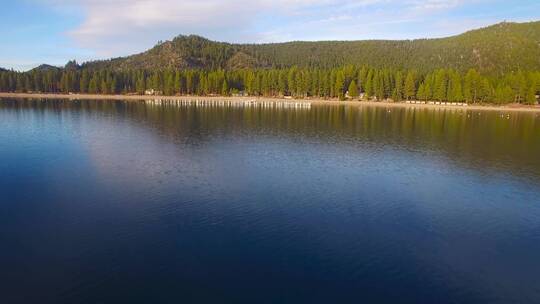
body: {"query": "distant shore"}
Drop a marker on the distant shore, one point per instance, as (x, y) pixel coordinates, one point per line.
(510, 107)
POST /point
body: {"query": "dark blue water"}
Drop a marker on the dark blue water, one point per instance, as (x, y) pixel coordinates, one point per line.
(127, 202)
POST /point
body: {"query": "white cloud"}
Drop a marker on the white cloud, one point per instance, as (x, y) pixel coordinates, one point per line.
(121, 27)
(436, 4)
(112, 25)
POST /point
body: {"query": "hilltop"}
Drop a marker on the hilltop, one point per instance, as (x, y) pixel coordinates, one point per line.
(45, 68)
(497, 49)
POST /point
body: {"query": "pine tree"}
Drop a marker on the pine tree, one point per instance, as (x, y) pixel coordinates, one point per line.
(291, 81)
(93, 84)
(531, 96)
(379, 86)
(104, 87)
(504, 94)
(339, 85)
(421, 94)
(369, 84)
(471, 86)
(440, 91)
(225, 88)
(84, 82)
(140, 85)
(169, 83)
(521, 87)
(397, 93)
(486, 90)
(178, 82)
(64, 83)
(455, 91)
(353, 90)
(427, 91)
(410, 86)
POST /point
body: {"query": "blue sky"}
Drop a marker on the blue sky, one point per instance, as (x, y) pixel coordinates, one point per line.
(55, 31)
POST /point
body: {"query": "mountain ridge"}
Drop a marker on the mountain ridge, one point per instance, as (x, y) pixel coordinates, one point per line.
(495, 49)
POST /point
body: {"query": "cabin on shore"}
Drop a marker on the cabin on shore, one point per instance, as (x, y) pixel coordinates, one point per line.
(236, 93)
(153, 92)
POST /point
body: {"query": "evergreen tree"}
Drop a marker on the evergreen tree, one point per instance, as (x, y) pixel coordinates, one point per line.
(397, 93)
(472, 86)
(455, 91)
(421, 94)
(503, 94)
(440, 91)
(410, 86)
(353, 90)
(428, 95)
(486, 90)
(521, 87)
(169, 87)
(93, 84)
(225, 88)
(85, 79)
(340, 85)
(369, 84)
(379, 86)
(531, 96)
(178, 82)
(104, 87)
(140, 85)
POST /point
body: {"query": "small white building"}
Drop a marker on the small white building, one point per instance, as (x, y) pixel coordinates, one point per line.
(239, 93)
(152, 92)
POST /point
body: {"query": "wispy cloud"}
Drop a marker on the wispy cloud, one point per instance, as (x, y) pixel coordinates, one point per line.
(120, 27)
(112, 25)
(435, 4)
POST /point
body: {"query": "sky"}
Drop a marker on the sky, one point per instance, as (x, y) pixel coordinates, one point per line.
(56, 31)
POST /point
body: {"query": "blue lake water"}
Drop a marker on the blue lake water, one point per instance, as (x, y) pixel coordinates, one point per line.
(134, 202)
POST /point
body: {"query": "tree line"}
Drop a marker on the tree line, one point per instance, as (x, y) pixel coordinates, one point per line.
(350, 82)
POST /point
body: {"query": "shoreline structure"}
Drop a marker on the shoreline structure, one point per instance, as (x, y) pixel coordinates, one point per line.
(246, 100)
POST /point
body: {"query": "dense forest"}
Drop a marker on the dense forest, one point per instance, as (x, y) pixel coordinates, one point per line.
(496, 64)
(494, 51)
(347, 82)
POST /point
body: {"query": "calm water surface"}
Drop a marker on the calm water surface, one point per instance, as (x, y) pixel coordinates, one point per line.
(130, 202)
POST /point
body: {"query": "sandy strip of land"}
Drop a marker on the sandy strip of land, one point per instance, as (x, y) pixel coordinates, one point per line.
(506, 108)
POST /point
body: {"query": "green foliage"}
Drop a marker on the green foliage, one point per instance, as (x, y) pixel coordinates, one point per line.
(492, 51)
(455, 90)
(421, 93)
(472, 86)
(410, 86)
(225, 88)
(531, 96)
(339, 85)
(442, 84)
(353, 90)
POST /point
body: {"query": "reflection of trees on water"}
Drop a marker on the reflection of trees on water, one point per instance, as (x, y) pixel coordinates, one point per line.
(485, 138)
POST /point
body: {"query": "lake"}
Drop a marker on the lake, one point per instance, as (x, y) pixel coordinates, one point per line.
(142, 202)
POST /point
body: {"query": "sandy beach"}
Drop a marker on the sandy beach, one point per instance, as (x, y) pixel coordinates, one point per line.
(505, 108)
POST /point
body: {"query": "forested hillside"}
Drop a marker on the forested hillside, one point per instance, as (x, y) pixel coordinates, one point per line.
(498, 64)
(493, 50)
(349, 81)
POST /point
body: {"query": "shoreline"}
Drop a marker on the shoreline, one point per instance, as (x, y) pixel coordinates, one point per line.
(510, 108)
